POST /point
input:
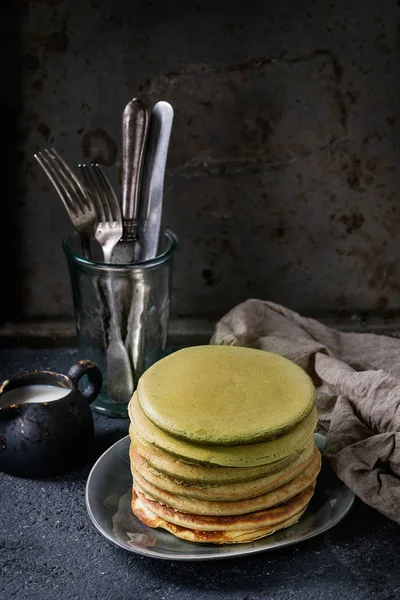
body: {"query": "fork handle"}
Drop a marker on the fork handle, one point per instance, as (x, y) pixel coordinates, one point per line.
(85, 242)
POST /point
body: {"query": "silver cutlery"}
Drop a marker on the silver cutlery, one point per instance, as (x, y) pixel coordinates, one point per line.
(151, 201)
(134, 133)
(151, 197)
(78, 204)
(120, 383)
(127, 232)
(109, 227)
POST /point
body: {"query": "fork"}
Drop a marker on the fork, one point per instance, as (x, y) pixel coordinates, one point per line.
(77, 202)
(109, 226)
(108, 232)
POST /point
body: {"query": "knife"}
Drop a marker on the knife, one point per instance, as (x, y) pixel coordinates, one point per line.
(134, 133)
(151, 200)
(151, 197)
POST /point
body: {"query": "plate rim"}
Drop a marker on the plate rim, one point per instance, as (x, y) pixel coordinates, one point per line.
(238, 550)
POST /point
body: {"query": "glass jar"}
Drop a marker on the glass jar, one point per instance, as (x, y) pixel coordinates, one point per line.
(122, 316)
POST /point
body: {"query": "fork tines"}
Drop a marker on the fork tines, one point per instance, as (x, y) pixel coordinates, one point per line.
(102, 192)
(64, 180)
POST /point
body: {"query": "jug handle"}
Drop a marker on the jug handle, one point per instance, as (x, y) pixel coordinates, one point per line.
(95, 378)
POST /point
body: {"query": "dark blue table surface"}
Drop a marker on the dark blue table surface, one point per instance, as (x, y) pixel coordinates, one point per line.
(49, 548)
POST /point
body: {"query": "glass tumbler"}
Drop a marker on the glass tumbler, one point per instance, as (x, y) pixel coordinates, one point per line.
(122, 315)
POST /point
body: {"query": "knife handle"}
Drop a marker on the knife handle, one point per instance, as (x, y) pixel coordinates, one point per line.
(134, 131)
(152, 189)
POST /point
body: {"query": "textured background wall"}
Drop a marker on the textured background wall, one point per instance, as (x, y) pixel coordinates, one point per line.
(282, 181)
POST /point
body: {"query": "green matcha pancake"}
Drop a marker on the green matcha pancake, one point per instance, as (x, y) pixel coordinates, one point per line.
(245, 455)
(231, 507)
(225, 395)
(175, 469)
(222, 492)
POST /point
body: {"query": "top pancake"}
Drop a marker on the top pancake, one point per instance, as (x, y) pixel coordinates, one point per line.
(241, 455)
(225, 395)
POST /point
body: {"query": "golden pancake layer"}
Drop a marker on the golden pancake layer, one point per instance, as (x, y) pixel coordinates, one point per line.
(222, 444)
(141, 509)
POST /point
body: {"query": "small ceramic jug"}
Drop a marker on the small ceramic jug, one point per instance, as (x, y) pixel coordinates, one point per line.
(41, 433)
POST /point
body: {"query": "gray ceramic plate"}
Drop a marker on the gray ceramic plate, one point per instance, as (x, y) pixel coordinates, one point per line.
(108, 494)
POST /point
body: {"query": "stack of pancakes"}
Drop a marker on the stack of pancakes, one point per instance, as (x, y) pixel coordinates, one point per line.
(222, 444)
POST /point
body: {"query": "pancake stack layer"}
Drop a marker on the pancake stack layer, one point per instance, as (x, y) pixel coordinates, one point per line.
(222, 444)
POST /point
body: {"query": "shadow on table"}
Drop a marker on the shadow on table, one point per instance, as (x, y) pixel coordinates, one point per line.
(322, 556)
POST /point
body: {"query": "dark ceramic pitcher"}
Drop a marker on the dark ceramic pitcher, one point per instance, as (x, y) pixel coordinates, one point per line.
(43, 439)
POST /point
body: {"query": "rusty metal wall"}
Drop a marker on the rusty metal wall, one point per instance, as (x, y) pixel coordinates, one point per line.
(282, 178)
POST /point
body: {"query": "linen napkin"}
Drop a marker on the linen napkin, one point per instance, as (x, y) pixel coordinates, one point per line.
(357, 376)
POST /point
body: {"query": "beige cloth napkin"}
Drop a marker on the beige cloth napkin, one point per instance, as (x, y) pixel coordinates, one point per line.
(357, 376)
